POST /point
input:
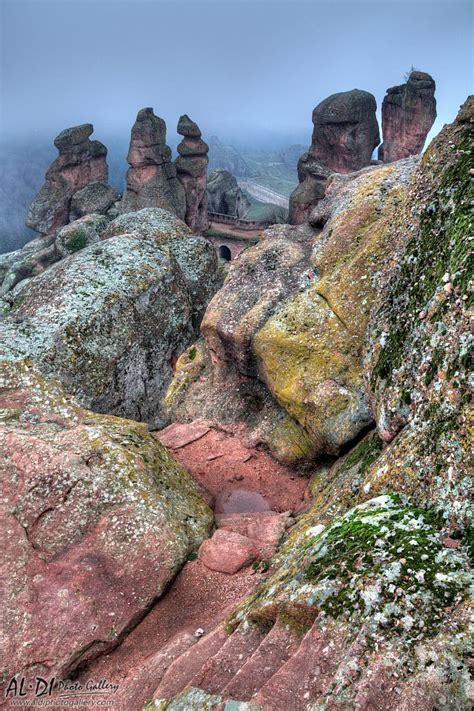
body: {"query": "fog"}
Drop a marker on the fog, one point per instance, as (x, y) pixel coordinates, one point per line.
(248, 71)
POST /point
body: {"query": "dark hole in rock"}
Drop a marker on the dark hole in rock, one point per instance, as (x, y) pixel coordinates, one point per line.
(225, 253)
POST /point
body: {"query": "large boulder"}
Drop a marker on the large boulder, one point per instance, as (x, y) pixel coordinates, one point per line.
(191, 168)
(80, 162)
(309, 351)
(408, 113)
(111, 319)
(151, 178)
(292, 315)
(79, 234)
(98, 519)
(345, 131)
(225, 196)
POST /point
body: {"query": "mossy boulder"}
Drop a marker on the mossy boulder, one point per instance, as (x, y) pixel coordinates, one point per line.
(375, 583)
(310, 350)
(108, 322)
(79, 234)
(98, 519)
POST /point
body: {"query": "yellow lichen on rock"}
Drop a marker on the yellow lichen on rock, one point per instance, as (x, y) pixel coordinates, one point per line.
(309, 351)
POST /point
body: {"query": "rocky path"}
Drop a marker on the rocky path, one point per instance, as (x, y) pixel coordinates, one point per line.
(253, 498)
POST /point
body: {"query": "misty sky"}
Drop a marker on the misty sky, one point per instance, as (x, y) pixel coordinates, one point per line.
(240, 68)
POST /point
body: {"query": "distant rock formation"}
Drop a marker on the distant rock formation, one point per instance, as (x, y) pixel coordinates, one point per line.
(151, 178)
(408, 113)
(345, 135)
(345, 131)
(227, 158)
(80, 162)
(313, 178)
(191, 168)
(224, 194)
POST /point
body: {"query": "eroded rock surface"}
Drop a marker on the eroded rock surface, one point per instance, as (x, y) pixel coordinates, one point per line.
(191, 167)
(110, 320)
(292, 316)
(98, 518)
(80, 162)
(151, 178)
(345, 131)
(408, 113)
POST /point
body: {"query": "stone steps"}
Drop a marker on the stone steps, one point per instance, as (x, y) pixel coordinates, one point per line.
(218, 671)
(277, 647)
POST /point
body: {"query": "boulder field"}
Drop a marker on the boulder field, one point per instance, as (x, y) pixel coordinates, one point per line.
(315, 554)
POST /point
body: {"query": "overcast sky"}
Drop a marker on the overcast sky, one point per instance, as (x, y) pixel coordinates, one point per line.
(237, 67)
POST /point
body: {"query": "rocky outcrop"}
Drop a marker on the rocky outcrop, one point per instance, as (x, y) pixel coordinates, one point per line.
(191, 168)
(80, 162)
(344, 136)
(288, 327)
(98, 519)
(312, 178)
(225, 157)
(345, 131)
(417, 367)
(408, 113)
(110, 320)
(225, 196)
(151, 178)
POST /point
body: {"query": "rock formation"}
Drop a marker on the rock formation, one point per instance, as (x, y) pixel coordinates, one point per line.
(345, 131)
(191, 168)
(300, 329)
(151, 178)
(375, 577)
(408, 113)
(312, 178)
(80, 162)
(344, 137)
(224, 194)
(110, 320)
(98, 519)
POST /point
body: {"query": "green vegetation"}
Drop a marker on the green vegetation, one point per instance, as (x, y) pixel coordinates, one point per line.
(77, 241)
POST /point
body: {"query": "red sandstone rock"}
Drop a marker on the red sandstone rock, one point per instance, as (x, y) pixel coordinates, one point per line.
(97, 519)
(345, 131)
(191, 167)
(151, 178)
(408, 113)
(227, 551)
(80, 162)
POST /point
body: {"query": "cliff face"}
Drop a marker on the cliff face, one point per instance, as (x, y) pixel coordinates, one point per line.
(80, 162)
(191, 168)
(408, 113)
(151, 178)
